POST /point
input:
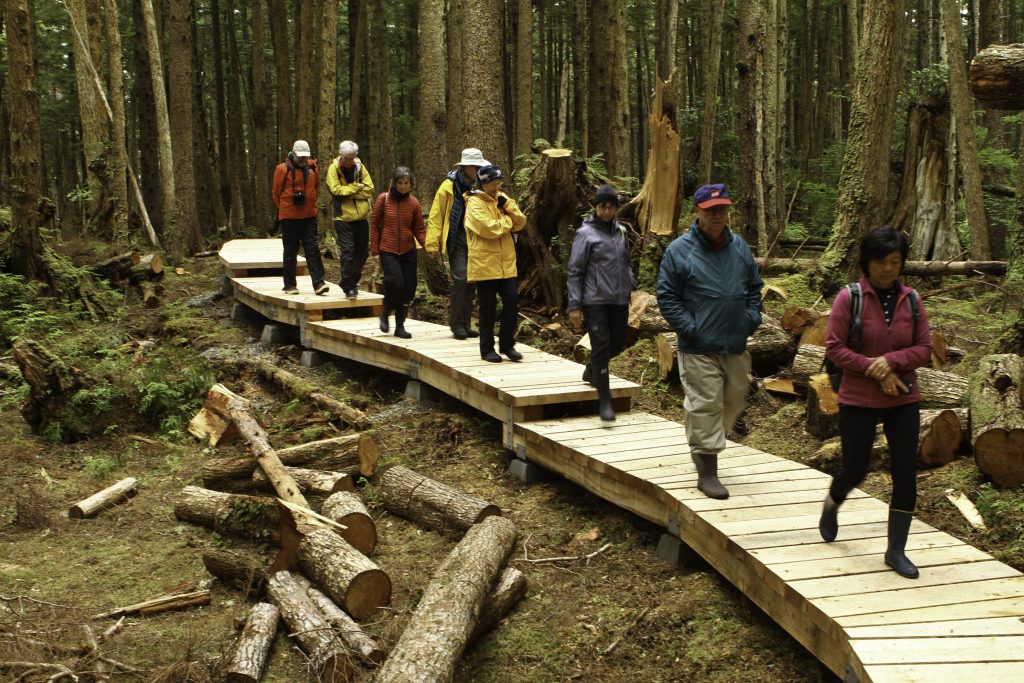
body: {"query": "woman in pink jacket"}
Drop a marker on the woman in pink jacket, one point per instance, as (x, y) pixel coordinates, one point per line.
(878, 384)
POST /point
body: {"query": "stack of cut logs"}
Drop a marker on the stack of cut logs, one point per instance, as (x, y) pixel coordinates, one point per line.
(982, 413)
(323, 581)
(134, 269)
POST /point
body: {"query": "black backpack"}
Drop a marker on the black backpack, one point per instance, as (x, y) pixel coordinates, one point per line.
(856, 337)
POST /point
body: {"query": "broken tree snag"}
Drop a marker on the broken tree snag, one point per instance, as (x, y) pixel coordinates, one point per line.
(354, 582)
(309, 627)
(251, 517)
(347, 509)
(349, 632)
(942, 433)
(122, 490)
(770, 267)
(997, 418)
(507, 592)
(213, 421)
(354, 454)
(312, 481)
(657, 203)
(997, 77)
(300, 387)
(431, 503)
(822, 408)
(52, 384)
(165, 603)
(253, 645)
(796, 319)
(437, 632)
(244, 569)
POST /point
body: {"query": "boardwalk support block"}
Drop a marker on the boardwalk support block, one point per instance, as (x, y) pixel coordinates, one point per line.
(242, 314)
(421, 392)
(526, 472)
(277, 334)
(312, 359)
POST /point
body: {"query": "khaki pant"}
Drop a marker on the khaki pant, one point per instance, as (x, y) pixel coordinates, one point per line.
(716, 392)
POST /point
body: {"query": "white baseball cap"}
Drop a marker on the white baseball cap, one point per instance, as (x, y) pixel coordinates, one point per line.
(300, 148)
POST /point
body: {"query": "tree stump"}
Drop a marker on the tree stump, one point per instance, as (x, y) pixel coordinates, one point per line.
(345, 574)
(126, 488)
(943, 431)
(507, 592)
(311, 481)
(253, 645)
(997, 77)
(244, 569)
(997, 418)
(232, 514)
(349, 632)
(52, 385)
(431, 503)
(347, 509)
(310, 629)
(822, 408)
(437, 632)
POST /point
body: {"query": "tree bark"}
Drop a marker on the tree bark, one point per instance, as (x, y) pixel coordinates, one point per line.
(52, 385)
(108, 497)
(997, 418)
(286, 128)
(184, 238)
(484, 118)
(508, 591)
(439, 629)
(524, 78)
(252, 517)
(354, 582)
(714, 11)
(997, 77)
(328, 89)
(608, 74)
(259, 104)
(431, 503)
(431, 160)
(302, 55)
(771, 267)
(244, 569)
(349, 632)
(305, 389)
(358, 21)
(316, 482)
(347, 509)
(942, 433)
(657, 203)
(382, 151)
(144, 109)
(237, 161)
(118, 158)
(580, 72)
(254, 644)
(822, 408)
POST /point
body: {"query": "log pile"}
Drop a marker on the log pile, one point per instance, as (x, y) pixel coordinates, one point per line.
(431, 503)
(770, 347)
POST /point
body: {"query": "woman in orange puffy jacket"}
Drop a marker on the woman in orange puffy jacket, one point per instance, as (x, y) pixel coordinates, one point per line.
(396, 225)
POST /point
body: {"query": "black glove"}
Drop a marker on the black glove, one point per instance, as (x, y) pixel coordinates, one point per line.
(502, 200)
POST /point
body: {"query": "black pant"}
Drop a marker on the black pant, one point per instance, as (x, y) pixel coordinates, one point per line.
(294, 231)
(902, 426)
(399, 278)
(606, 325)
(460, 302)
(354, 242)
(488, 292)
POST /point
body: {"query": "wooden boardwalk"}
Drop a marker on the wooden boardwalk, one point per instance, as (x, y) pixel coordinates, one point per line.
(964, 616)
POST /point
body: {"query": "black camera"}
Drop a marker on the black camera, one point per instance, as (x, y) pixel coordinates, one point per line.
(298, 198)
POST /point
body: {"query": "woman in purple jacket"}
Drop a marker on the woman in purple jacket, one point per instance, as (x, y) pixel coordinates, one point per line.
(600, 281)
(879, 385)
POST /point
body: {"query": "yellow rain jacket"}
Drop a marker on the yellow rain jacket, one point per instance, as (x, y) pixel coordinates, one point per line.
(350, 201)
(492, 251)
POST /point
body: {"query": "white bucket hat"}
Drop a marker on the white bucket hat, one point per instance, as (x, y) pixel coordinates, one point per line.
(471, 156)
(300, 148)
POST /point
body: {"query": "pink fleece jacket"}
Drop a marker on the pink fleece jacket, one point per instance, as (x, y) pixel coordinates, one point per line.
(904, 350)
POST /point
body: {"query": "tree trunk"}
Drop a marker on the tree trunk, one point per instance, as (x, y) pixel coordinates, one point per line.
(219, 135)
(108, 497)
(358, 16)
(317, 482)
(353, 454)
(184, 239)
(305, 389)
(608, 74)
(864, 179)
(144, 108)
(942, 433)
(252, 517)
(304, 35)
(770, 348)
(997, 418)
(354, 582)
(430, 503)
(1015, 235)
(347, 509)
(26, 151)
(997, 77)
(431, 160)
(328, 89)
(349, 632)
(665, 51)
(244, 569)
(524, 79)
(165, 603)
(455, 33)
(254, 644)
(118, 158)
(309, 627)
(213, 421)
(382, 149)
(237, 162)
(967, 144)
(484, 117)
(443, 622)
(259, 104)
(52, 385)
(286, 129)
(657, 203)
(580, 72)
(714, 12)
(779, 266)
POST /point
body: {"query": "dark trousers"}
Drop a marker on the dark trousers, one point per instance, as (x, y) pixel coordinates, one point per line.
(902, 426)
(460, 301)
(489, 291)
(606, 325)
(293, 232)
(399, 278)
(354, 242)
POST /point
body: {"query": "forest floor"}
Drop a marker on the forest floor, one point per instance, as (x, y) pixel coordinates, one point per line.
(669, 623)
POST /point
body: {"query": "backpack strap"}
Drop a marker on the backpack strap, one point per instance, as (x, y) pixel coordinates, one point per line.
(915, 311)
(856, 307)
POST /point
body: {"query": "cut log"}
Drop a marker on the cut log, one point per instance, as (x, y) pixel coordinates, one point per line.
(808, 361)
(355, 583)
(302, 388)
(252, 517)
(796, 319)
(770, 348)
(117, 267)
(150, 295)
(253, 645)
(213, 421)
(437, 632)
(997, 77)
(997, 418)
(822, 408)
(645, 317)
(149, 267)
(771, 267)
(817, 332)
(507, 592)
(246, 570)
(942, 433)
(349, 632)
(665, 344)
(311, 481)
(581, 352)
(354, 454)
(165, 603)
(112, 495)
(346, 508)
(309, 627)
(430, 503)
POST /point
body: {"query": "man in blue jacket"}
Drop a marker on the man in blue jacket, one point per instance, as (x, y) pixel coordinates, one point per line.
(709, 290)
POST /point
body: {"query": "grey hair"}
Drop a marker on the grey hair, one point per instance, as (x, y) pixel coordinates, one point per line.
(348, 147)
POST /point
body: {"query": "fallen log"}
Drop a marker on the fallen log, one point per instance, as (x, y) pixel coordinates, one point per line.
(213, 421)
(770, 347)
(347, 509)
(354, 454)
(110, 496)
(354, 582)
(943, 431)
(246, 570)
(644, 315)
(149, 267)
(822, 408)
(304, 389)
(233, 514)
(440, 628)
(508, 591)
(430, 503)
(118, 267)
(349, 632)
(253, 645)
(997, 77)
(997, 418)
(165, 603)
(309, 627)
(311, 481)
(770, 267)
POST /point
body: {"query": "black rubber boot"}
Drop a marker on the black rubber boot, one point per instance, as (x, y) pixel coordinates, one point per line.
(707, 475)
(384, 326)
(588, 374)
(400, 323)
(899, 528)
(604, 396)
(829, 524)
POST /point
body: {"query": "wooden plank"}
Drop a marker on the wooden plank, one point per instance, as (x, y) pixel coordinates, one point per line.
(268, 291)
(818, 485)
(790, 511)
(993, 626)
(871, 563)
(254, 253)
(735, 501)
(551, 429)
(942, 650)
(967, 672)
(897, 602)
(884, 579)
(755, 526)
(787, 560)
(808, 535)
(1005, 603)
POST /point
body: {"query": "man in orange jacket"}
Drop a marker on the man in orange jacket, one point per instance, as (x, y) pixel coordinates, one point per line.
(294, 192)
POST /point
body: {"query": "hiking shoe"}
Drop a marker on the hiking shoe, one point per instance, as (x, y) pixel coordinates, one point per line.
(513, 355)
(291, 290)
(491, 357)
(351, 293)
(460, 332)
(322, 289)
(471, 333)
